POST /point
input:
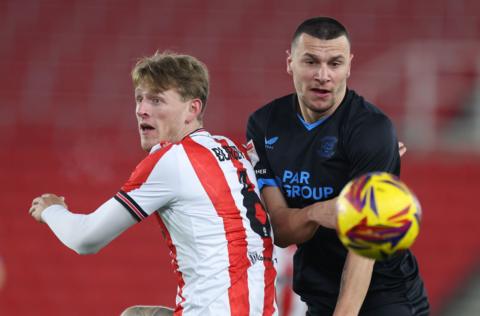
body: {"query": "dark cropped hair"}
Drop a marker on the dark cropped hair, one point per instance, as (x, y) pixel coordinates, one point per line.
(322, 27)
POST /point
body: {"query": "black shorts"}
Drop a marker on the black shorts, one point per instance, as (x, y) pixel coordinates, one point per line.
(422, 308)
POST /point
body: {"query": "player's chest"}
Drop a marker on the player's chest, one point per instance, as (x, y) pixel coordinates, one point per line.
(309, 165)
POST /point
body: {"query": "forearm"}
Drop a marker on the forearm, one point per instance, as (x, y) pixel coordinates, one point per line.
(356, 277)
(292, 226)
(87, 234)
(301, 224)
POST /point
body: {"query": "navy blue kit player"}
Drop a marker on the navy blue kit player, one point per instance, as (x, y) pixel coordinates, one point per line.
(305, 147)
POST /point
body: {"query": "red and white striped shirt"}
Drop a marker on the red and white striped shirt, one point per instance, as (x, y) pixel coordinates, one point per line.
(204, 191)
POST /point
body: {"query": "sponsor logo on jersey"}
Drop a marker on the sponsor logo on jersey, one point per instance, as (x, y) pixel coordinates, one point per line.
(258, 256)
(328, 144)
(297, 184)
(261, 171)
(270, 141)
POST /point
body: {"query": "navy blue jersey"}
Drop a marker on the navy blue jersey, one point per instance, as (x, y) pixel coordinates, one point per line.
(313, 162)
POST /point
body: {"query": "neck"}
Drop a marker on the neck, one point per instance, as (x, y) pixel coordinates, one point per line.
(190, 128)
(311, 116)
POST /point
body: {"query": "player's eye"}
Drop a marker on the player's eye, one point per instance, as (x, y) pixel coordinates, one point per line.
(336, 63)
(138, 98)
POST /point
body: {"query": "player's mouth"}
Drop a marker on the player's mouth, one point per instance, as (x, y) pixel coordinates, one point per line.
(145, 128)
(321, 92)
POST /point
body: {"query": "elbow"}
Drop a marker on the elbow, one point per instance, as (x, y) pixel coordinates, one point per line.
(281, 241)
(281, 238)
(281, 244)
(85, 250)
(85, 247)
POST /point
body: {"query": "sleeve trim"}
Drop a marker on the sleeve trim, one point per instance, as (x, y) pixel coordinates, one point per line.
(132, 207)
(266, 182)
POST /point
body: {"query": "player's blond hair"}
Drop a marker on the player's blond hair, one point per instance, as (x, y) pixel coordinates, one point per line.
(184, 73)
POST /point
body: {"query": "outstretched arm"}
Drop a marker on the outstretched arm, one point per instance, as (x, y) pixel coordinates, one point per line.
(83, 233)
(356, 276)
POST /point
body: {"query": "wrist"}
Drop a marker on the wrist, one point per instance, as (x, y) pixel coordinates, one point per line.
(313, 214)
(324, 213)
(49, 210)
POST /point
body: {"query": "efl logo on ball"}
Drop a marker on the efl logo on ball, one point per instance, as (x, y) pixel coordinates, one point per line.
(378, 215)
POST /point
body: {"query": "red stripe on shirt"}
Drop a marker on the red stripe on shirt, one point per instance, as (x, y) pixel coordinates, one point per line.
(216, 186)
(287, 292)
(143, 169)
(269, 276)
(270, 273)
(173, 254)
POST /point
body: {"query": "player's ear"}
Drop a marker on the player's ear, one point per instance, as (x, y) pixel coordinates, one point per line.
(289, 61)
(349, 65)
(194, 110)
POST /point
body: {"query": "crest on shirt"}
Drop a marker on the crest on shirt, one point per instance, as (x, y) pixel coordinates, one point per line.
(328, 145)
(251, 152)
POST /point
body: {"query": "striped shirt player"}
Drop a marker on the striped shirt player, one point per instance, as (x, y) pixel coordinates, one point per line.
(203, 190)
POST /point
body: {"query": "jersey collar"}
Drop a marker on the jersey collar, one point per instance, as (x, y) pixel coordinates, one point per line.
(310, 126)
(198, 131)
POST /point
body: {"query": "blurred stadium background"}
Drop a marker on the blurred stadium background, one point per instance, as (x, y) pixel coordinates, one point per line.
(67, 126)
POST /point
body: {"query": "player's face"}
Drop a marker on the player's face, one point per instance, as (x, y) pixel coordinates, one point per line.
(161, 116)
(320, 69)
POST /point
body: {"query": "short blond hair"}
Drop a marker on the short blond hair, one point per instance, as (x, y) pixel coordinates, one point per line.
(184, 73)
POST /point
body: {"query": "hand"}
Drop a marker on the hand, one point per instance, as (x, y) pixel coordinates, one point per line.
(324, 213)
(402, 149)
(39, 204)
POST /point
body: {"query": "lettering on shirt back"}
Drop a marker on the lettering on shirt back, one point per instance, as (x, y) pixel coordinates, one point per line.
(224, 153)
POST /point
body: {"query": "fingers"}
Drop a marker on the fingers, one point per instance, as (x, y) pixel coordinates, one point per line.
(36, 212)
(37, 200)
(49, 195)
(402, 149)
(40, 203)
(31, 210)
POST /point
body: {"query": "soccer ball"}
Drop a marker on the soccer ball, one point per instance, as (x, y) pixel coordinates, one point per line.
(378, 215)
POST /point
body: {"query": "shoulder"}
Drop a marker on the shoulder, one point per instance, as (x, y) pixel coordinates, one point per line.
(274, 113)
(360, 106)
(284, 103)
(160, 153)
(369, 139)
(365, 115)
(366, 127)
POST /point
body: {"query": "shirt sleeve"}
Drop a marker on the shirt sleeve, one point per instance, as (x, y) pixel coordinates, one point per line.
(152, 185)
(88, 233)
(257, 153)
(373, 146)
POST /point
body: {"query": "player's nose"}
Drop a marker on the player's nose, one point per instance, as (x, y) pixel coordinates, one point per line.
(142, 109)
(322, 74)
